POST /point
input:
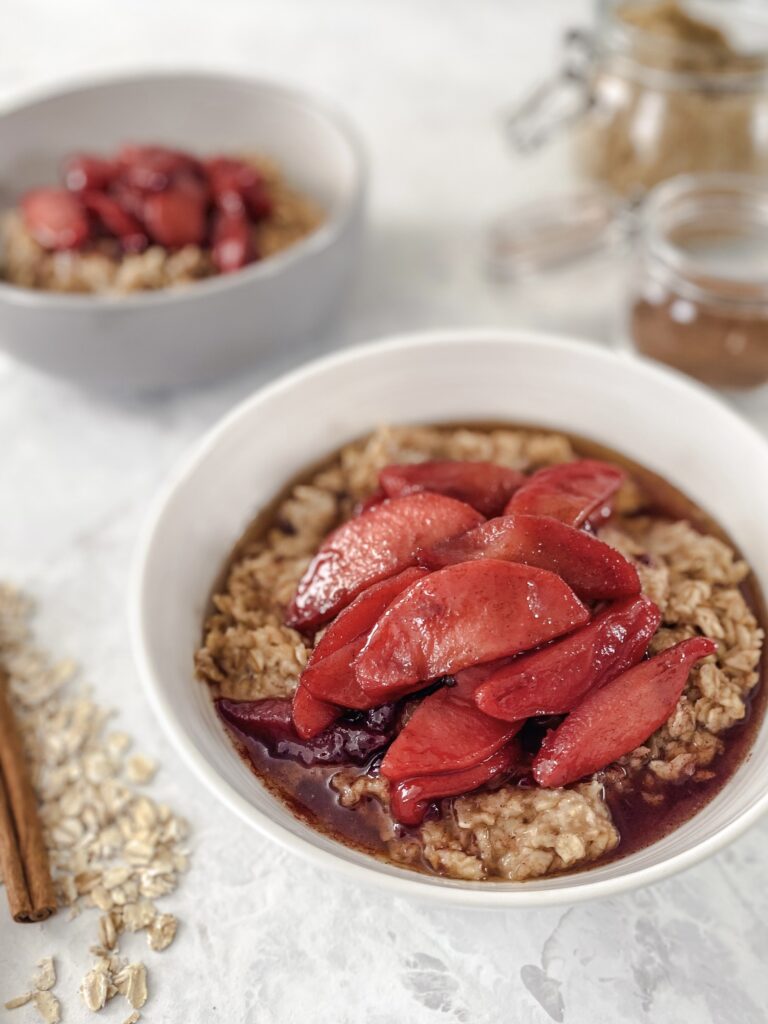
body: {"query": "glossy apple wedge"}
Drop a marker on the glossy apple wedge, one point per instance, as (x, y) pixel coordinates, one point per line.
(329, 674)
(485, 486)
(446, 733)
(371, 547)
(613, 720)
(463, 615)
(570, 492)
(362, 614)
(551, 680)
(410, 799)
(311, 716)
(55, 218)
(594, 570)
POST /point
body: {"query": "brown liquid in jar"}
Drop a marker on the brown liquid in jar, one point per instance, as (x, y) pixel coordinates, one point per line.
(721, 348)
(307, 791)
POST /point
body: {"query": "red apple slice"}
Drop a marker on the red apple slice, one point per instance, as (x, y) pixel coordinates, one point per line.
(310, 715)
(115, 220)
(409, 799)
(464, 615)
(373, 546)
(593, 569)
(175, 218)
(55, 218)
(84, 172)
(551, 680)
(362, 614)
(231, 241)
(446, 733)
(483, 485)
(613, 720)
(570, 492)
(329, 674)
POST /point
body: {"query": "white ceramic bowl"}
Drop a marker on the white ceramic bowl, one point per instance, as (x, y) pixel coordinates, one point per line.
(179, 337)
(659, 418)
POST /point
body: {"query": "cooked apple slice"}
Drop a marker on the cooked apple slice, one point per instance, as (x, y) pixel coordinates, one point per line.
(409, 799)
(310, 715)
(362, 614)
(611, 721)
(371, 547)
(446, 733)
(329, 674)
(334, 678)
(570, 492)
(463, 615)
(485, 486)
(593, 569)
(551, 680)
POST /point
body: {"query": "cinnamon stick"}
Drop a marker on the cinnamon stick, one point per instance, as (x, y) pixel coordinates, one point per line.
(23, 854)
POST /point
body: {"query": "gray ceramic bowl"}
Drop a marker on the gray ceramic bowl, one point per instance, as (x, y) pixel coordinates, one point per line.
(184, 336)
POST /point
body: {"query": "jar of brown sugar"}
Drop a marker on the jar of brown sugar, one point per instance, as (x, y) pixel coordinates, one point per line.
(699, 298)
(658, 88)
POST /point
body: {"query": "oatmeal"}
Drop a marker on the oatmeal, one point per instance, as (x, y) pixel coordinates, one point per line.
(507, 798)
(151, 218)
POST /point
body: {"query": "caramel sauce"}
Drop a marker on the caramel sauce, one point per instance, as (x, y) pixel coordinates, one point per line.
(308, 792)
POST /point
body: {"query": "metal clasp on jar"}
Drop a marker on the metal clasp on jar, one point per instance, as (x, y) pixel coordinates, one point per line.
(557, 102)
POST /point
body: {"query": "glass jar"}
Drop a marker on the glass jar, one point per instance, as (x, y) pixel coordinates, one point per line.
(699, 301)
(658, 88)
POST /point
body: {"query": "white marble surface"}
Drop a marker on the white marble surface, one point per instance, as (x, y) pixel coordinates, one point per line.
(265, 938)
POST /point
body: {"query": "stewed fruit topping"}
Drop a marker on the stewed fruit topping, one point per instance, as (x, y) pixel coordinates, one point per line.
(379, 543)
(594, 570)
(153, 194)
(483, 485)
(461, 652)
(464, 615)
(551, 680)
(614, 719)
(570, 492)
(352, 741)
(330, 675)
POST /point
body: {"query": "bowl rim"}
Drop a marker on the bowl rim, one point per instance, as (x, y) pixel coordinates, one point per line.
(405, 882)
(319, 240)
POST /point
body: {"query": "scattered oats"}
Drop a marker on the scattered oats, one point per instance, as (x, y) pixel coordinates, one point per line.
(131, 982)
(132, 1018)
(153, 886)
(110, 845)
(162, 931)
(113, 877)
(94, 988)
(17, 1001)
(139, 852)
(137, 916)
(45, 978)
(108, 931)
(117, 743)
(47, 1005)
(140, 769)
(87, 880)
(101, 898)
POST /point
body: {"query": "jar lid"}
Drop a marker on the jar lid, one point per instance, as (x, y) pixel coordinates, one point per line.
(706, 232)
(555, 230)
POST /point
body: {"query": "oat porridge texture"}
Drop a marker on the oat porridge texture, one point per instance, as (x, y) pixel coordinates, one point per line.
(102, 268)
(511, 833)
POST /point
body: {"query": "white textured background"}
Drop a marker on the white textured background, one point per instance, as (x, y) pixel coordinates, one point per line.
(265, 938)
